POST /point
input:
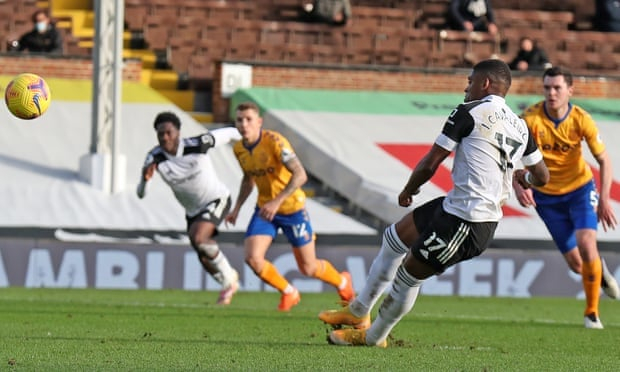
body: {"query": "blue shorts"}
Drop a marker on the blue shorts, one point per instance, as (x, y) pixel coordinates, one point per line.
(563, 214)
(296, 227)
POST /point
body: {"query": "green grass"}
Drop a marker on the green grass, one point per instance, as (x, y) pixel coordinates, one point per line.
(90, 330)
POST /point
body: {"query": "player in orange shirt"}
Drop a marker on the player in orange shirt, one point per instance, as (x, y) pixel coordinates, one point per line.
(569, 203)
(269, 162)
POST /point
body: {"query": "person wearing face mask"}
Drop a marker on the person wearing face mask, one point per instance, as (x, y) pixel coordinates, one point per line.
(43, 38)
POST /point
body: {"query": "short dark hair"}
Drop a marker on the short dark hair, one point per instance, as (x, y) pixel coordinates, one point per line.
(167, 116)
(496, 70)
(248, 105)
(559, 71)
(36, 14)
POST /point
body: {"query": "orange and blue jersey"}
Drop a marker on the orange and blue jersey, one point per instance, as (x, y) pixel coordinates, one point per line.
(560, 140)
(264, 162)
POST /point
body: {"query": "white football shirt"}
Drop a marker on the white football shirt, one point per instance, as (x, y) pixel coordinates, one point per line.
(190, 172)
(488, 139)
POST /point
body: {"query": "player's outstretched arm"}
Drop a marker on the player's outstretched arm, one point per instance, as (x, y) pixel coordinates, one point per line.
(535, 175)
(523, 195)
(245, 189)
(605, 210)
(524, 179)
(225, 135)
(422, 172)
(147, 173)
(298, 178)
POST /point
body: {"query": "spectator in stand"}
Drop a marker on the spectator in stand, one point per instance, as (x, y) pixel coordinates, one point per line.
(607, 16)
(43, 38)
(473, 15)
(530, 57)
(334, 12)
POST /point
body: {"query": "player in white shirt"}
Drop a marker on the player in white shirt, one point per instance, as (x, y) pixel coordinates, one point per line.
(185, 165)
(488, 139)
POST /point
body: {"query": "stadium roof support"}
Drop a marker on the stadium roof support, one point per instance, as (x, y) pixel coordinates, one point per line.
(104, 167)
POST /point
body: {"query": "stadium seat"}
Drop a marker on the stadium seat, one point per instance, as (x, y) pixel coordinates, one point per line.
(158, 29)
(388, 46)
(135, 13)
(187, 27)
(433, 14)
(164, 7)
(246, 31)
(474, 46)
(179, 51)
(273, 33)
(217, 29)
(533, 19)
(367, 16)
(417, 44)
(217, 9)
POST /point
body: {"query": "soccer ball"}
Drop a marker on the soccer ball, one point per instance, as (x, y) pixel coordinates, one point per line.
(27, 96)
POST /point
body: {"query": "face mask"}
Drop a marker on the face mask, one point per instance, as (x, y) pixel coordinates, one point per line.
(41, 26)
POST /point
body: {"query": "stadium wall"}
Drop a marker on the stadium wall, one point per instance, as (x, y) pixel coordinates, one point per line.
(502, 272)
(308, 76)
(61, 67)
(373, 78)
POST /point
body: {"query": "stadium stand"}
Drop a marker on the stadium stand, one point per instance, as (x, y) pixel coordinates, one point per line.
(534, 19)
(178, 42)
(370, 16)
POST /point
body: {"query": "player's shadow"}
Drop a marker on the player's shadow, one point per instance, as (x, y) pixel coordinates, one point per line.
(41, 169)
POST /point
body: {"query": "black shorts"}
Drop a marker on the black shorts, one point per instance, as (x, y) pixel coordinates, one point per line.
(446, 239)
(214, 212)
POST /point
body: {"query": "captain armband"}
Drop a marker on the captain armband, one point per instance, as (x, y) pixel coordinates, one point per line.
(528, 178)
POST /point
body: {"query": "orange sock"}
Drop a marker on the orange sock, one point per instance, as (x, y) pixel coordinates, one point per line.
(327, 273)
(270, 275)
(591, 274)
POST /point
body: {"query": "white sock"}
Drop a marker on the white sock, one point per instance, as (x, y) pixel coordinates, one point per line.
(381, 272)
(399, 302)
(343, 283)
(225, 274)
(289, 289)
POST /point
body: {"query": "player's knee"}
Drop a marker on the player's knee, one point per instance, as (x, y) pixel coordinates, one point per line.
(208, 249)
(309, 269)
(573, 260)
(254, 263)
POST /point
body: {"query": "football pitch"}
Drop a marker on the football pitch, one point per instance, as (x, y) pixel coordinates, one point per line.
(174, 330)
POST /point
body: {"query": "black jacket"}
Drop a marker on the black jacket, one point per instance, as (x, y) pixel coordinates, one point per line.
(49, 41)
(461, 11)
(536, 59)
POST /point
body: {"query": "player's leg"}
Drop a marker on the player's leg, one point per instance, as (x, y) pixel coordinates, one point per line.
(447, 241)
(591, 275)
(572, 221)
(259, 236)
(298, 230)
(573, 260)
(555, 212)
(213, 259)
(609, 284)
(322, 269)
(397, 238)
(398, 302)
(394, 245)
(381, 273)
(255, 249)
(583, 205)
(202, 229)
